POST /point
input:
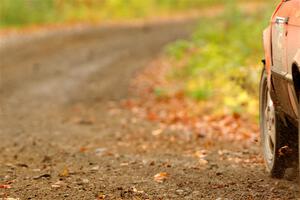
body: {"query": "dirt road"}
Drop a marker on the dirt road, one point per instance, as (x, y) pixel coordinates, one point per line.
(63, 135)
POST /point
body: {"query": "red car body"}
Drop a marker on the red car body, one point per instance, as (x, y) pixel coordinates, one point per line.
(282, 54)
(280, 89)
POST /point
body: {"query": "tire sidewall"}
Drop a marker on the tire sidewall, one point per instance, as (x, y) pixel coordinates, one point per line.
(279, 162)
(262, 103)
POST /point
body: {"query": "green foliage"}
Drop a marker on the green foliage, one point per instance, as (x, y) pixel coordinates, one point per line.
(179, 48)
(24, 12)
(221, 63)
(20, 12)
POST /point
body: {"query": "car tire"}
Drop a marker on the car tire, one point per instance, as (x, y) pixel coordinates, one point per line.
(299, 136)
(272, 132)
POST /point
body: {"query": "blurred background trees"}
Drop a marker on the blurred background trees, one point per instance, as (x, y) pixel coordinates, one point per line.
(220, 65)
(24, 12)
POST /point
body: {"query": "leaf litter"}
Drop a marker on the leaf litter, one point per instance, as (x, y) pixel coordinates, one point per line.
(161, 177)
(175, 111)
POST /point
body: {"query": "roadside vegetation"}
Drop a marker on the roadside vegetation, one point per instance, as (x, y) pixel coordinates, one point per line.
(220, 66)
(208, 84)
(18, 13)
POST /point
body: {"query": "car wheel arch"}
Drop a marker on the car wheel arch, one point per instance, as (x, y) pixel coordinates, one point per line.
(296, 78)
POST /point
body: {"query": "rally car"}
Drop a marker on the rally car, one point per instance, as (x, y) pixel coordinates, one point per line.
(280, 89)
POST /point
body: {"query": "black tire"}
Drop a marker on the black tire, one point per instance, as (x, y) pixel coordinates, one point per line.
(278, 164)
(299, 136)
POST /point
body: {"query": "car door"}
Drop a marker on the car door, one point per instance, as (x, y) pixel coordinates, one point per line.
(293, 47)
(280, 28)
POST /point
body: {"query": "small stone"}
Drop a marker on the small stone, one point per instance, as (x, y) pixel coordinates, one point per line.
(22, 165)
(100, 151)
(42, 176)
(124, 164)
(152, 163)
(213, 166)
(95, 168)
(219, 173)
(55, 186)
(58, 184)
(179, 192)
(85, 181)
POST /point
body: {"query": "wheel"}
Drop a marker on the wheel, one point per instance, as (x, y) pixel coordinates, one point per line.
(272, 132)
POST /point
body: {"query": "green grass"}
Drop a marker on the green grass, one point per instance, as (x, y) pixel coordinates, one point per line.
(222, 62)
(19, 13)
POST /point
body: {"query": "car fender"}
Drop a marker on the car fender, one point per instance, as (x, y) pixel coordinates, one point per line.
(267, 48)
(268, 53)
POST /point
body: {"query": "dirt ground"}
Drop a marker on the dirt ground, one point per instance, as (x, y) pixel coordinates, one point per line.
(64, 136)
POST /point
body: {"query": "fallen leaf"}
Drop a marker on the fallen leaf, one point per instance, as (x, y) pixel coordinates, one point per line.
(161, 177)
(201, 154)
(83, 149)
(2, 186)
(65, 172)
(157, 132)
(152, 116)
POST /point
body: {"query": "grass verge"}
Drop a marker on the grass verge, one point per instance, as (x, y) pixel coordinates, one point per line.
(220, 67)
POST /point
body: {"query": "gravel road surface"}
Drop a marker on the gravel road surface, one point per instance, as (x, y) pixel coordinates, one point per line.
(64, 136)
